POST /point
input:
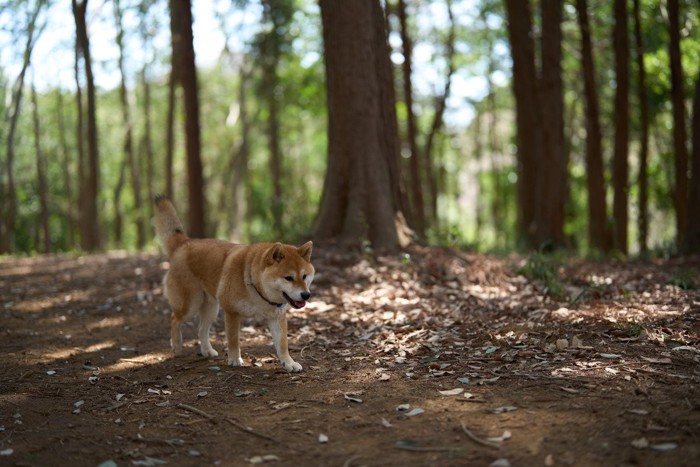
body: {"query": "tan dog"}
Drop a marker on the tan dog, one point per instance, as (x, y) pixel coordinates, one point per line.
(251, 281)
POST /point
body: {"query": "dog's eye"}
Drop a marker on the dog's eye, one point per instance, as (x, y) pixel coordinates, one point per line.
(289, 278)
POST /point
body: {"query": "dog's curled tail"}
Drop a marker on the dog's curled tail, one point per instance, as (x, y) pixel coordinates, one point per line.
(168, 226)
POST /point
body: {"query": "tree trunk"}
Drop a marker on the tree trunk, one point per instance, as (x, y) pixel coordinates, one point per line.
(362, 192)
(69, 209)
(183, 54)
(41, 178)
(680, 194)
(8, 195)
(643, 101)
(147, 141)
(415, 158)
(89, 219)
(129, 151)
(270, 53)
(620, 162)
(551, 186)
(529, 136)
(693, 233)
(239, 161)
(170, 130)
(598, 237)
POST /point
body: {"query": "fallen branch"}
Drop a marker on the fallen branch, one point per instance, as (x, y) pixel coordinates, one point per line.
(189, 408)
(478, 440)
(250, 431)
(410, 447)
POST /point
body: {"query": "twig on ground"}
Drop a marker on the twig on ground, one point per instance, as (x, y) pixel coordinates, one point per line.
(249, 430)
(189, 408)
(478, 440)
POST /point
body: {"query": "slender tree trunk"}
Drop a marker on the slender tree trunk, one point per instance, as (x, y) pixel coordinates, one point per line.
(680, 195)
(693, 235)
(416, 169)
(270, 52)
(147, 141)
(69, 209)
(529, 136)
(620, 156)
(170, 131)
(8, 195)
(80, 144)
(89, 219)
(183, 53)
(129, 151)
(598, 237)
(238, 168)
(362, 192)
(643, 101)
(551, 187)
(41, 178)
(438, 118)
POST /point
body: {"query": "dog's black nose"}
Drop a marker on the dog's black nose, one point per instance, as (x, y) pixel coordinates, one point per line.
(305, 295)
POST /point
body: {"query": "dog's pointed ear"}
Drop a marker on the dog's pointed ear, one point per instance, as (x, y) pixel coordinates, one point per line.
(275, 254)
(305, 250)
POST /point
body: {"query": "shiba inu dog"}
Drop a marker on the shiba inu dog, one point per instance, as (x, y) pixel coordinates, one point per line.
(259, 281)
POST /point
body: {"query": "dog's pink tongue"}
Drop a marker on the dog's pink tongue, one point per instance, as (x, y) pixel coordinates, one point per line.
(299, 304)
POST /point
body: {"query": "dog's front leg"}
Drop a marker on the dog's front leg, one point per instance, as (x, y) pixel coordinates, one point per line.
(233, 325)
(278, 329)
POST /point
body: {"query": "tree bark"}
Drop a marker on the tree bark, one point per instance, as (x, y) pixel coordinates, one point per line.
(129, 151)
(680, 193)
(620, 155)
(69, 209)
(693, 232)
(643, 101)
(528, 120)
(598, 236)
(183, 54)
(551, 186)
(362, 192)
(89, 219)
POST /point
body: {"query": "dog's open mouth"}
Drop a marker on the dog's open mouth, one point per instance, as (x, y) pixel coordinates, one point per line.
(294, 303)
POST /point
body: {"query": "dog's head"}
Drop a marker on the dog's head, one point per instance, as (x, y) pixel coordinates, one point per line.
(288, 273)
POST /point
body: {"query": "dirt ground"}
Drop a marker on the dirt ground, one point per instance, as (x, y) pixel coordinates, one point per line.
(598, 363)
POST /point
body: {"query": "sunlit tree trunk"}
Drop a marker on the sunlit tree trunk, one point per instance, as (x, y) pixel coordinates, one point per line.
(8, 195)
(598, 237)
(129, 151)
(620, 162)
(89, 218)
(41, 178)
(643, 102)
(183, 54)
(362, 192)
(680, 193)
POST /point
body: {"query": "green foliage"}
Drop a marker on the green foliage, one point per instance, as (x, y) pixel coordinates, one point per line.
(543, 268)
(685, 279)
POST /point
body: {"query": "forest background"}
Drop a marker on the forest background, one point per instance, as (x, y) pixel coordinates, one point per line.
(516, 124)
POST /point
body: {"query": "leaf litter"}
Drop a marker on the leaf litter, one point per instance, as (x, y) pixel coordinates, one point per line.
(619, 340)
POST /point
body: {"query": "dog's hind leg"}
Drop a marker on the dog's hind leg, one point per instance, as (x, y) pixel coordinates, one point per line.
(233, 325)
(207, 315)
(176, 332)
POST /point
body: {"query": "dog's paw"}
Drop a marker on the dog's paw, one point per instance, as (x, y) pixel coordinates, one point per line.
(292, 366)
(177, 350)
(235, 361)
(209, 353)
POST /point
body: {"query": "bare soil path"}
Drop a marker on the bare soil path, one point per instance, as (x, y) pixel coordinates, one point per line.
(433, 358)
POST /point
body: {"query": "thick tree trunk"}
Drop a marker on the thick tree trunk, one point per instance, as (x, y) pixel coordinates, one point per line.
(620, 156)
(183, 53)
(41, 178)
(598, 237)
(643, 102)
(89, 219)
(680, 194)
(129, 151)
(362, 193)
